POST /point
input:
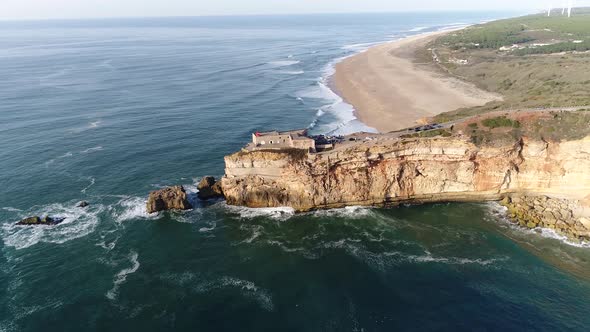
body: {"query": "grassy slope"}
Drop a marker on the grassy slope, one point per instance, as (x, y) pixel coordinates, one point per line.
(543, 79)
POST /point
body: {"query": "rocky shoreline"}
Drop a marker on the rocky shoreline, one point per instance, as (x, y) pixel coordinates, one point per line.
(561, 215)
(543, 184)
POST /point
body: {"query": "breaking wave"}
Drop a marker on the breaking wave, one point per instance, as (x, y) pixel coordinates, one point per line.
(292, 72)
(418, 29)
(130, 207)
(281, 213)
(90, 150)
(351, 212)
(78, 223)
(284, 63)
(499, 214)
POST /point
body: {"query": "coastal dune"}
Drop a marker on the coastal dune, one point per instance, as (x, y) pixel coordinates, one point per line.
(390, 91)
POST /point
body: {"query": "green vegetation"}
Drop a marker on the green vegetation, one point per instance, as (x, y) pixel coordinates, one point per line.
(521, 30)
(500, 121)
(555, 126)
(494, 35)
(556, 48)
(429, 133)
(561, 126)
(542, 71)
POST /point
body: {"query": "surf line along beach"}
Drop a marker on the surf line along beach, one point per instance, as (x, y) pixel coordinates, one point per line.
(390, 90)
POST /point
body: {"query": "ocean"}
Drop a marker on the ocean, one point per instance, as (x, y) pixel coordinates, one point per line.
(108, 110)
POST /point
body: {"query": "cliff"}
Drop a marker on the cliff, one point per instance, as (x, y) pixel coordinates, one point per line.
(420, 170)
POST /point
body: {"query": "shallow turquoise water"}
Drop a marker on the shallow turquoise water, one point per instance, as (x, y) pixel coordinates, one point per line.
(106, 111)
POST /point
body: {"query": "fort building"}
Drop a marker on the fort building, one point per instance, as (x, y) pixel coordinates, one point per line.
(296, 139)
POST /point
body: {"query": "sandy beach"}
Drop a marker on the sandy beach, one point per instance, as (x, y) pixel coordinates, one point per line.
(391, 92)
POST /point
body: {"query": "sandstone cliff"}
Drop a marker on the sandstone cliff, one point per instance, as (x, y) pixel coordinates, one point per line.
(410, 171)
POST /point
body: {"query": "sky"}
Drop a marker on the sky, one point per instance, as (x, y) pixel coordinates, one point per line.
(43, 9)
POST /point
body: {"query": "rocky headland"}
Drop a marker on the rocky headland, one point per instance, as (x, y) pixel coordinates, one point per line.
(544, 183)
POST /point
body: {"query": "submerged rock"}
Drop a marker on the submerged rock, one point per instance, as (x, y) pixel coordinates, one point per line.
(83, 204)
(46, 221)
(171, 198)
(209, 188)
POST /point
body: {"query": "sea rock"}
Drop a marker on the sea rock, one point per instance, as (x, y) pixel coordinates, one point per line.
(83, 204)
(45, 221)
(171, 198)
(209, 188)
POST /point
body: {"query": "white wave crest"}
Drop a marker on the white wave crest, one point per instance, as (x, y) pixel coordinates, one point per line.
(429, 258)
(280, 213)
(248, 289)
(552, 234)
(65, 155)
(130, 208)
(78, 223)
(92, 182)
(418, 29)
(293, 72)
(90, 150)
(205, 284)
(360, 47)
(499, 213)
(208, 229)
(121, 276)
(11, 209)
(283, 63)
(336, 117)
(256, 232)
(352, 212)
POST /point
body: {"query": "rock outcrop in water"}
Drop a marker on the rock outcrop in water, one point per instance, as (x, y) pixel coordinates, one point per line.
(209, 188)
(413, 171)
(37, 221)
(171, 198)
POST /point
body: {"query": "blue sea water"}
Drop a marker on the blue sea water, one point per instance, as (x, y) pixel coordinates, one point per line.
(107, 110)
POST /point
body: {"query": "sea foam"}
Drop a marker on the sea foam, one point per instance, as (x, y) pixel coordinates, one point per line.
(499, 214)
(78, 223)
(121, 276)
(279, 213)
(283, 63)
(93, 149)
(130, 207)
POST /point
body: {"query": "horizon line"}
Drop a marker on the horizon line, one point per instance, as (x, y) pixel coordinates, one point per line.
(524, 10)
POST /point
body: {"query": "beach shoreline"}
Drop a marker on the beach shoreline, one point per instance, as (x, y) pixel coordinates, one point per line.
(389, 91)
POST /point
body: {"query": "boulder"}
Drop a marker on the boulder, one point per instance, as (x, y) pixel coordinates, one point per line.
(83, 204)
(209, 188)
(45, 221)
(171, 198)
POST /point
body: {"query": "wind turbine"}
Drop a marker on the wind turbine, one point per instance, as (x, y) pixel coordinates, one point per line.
(570, 4)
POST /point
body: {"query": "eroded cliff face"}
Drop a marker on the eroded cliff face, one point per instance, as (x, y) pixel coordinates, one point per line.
(408, 171)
